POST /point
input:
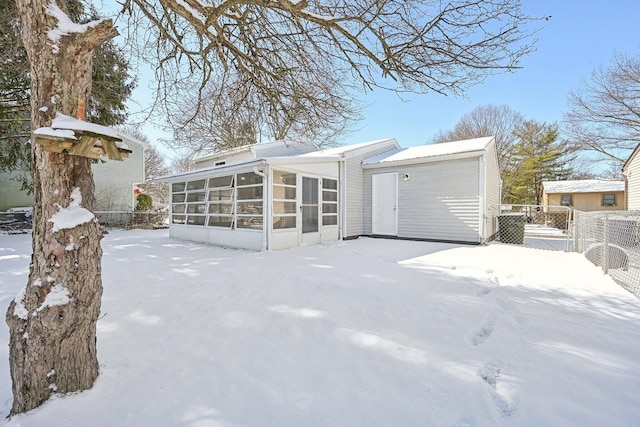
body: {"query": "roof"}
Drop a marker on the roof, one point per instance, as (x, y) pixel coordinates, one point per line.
(293, 147)
(345, 149)
(582, 186)
(467, 147)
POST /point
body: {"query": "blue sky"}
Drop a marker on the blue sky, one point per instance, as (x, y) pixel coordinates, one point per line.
(580, 36)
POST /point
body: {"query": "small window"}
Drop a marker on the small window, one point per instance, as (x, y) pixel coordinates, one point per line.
(609, 200)
(567, 200)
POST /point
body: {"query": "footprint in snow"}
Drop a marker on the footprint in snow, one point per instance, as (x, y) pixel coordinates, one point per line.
(484, 331)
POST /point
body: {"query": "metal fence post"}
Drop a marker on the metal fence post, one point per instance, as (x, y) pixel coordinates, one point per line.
(605, 244)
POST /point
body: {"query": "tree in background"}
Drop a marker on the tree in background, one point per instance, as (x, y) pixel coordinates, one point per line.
(536, 156)
(404, 45)
(499, 121)
(233, 112)
(604, 115)
(112, 86)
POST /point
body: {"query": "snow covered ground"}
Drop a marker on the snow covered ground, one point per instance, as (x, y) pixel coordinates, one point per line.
(367, 332)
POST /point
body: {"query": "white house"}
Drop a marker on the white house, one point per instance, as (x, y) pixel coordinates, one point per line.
(631, 174)
(281, 195)
(115, 181)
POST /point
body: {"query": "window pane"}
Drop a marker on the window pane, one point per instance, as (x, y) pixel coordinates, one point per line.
(280, 222)
(609, 200)
(250, 208)
(309, 219)
(223, 194)
(330, 196)
(329, 219)
(566, 200)
(177, 187)
(280, 192)
(284, 207)
(178, 198)
(220, 221)
(196, 185)
(178, 208)
(329, 208)
(221, 181)
(309, 191)
(199, 208)
(196, 197)
(221, 208)
(249, 179)
(195, 220)
(179, 219)
(286, 178)
(249, 222)
(250, 193)
(330, 184)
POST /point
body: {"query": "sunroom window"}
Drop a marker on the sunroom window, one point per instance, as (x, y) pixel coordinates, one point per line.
(329, 201)
(284, 200)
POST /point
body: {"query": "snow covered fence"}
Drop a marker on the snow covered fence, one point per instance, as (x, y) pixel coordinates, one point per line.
(611, 240)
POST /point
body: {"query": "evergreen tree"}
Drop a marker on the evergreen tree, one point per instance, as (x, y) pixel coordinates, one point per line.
(112, 86)
(537, 156)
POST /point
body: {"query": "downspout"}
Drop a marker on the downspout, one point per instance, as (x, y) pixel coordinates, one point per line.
(265, 200)
(342, 206)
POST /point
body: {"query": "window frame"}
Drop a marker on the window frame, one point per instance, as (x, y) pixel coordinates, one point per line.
(562, 200)
(604, 199)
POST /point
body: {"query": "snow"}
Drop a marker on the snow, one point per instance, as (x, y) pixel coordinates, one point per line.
(73, 215)
(58, 295)
(433, 150)
(65, 25)
(366, 332)
(582, 186)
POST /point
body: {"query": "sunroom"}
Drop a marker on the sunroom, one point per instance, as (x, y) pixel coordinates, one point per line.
(273, 203)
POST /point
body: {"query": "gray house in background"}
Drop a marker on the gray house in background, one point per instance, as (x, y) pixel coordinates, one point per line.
(281, 195)
(115, 182)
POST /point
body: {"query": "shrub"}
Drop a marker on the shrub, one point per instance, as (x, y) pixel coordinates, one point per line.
(144, 202)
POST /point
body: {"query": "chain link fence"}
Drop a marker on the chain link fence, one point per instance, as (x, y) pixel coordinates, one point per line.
(538, 226)
(611, 240)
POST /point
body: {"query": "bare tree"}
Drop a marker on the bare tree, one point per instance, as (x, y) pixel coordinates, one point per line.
(406, 45)
(604, 115)
(499, 121)
(234, 112)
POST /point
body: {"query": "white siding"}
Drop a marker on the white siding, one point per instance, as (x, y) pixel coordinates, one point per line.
(114, 180)
(354, 185)
(633, 184)
(440, 201)
(491, 191)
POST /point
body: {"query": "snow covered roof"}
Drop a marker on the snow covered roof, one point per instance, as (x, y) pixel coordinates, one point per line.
(353, 147)
(288, 147)
(582, 186)
(467, 146)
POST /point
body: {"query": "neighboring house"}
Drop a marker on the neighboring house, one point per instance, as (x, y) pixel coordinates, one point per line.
(585, 195)
(281, 195)
(115, 181)
(631, 174)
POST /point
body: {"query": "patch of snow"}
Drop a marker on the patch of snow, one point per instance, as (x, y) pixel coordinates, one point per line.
(65, 25)
(58, 295)
(73, 215)
(20, 310)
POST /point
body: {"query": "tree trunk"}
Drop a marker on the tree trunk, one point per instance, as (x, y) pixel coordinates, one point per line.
(52, 323)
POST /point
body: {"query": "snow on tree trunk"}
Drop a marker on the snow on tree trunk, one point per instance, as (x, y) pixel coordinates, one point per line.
(52, 322)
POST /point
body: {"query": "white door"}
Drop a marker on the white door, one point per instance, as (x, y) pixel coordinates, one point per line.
(310, 210)
(384, 220)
